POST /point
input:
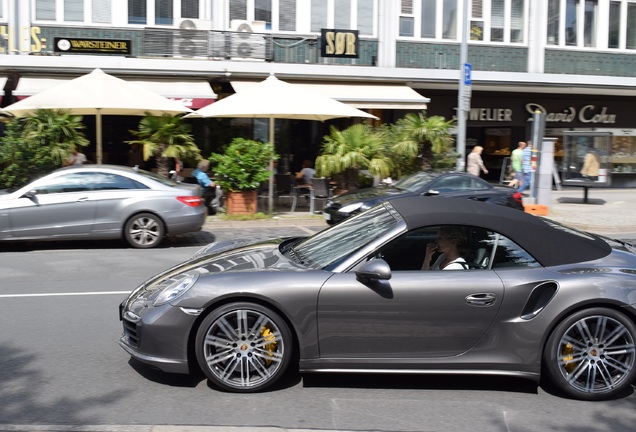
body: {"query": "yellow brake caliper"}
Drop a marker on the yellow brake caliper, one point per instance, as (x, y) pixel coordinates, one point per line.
(568, 356)
(271, 344)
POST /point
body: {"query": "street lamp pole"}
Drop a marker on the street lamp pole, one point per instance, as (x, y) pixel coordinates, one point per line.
(463, 98)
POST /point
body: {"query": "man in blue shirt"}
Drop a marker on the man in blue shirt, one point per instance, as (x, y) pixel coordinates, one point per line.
(526, 167)
(212, 195)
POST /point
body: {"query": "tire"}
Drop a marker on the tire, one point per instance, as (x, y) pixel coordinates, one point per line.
(144, 231)
(243, 347)
(591, 355)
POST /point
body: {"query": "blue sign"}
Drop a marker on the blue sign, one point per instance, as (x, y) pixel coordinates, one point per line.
(467, 70)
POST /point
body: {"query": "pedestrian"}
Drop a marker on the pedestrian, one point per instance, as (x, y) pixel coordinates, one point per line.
(516, 159)
(212, 194)
(526, 167)
(76, 158)
(475, 163)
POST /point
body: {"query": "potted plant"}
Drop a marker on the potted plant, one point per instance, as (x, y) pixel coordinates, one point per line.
(240, 170)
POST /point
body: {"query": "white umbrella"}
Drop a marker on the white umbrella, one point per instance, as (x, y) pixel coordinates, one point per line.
(98, 93)
(276, 99)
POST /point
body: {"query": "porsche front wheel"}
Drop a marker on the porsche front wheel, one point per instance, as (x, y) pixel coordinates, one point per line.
(591, 355)
(243, 347)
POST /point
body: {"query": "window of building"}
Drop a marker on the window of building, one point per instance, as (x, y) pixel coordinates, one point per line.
(449, 19)
(45, 10)
(287, 15)
(343, 14)
(101, 11)
(74, 10)
(476, 20)
(163, 12)
(614, 28)
(429, 8)
(263, 12)
(342, 19)
(137, 12)
(631, 26)
(553, 22)
(190, 9)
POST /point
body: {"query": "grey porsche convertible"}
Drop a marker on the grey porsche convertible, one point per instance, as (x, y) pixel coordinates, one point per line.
(526, 297)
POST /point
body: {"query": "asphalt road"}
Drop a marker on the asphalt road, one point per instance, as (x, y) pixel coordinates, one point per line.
(61, 367)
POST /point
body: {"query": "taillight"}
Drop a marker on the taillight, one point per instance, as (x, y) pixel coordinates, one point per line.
(192, 201)
(518, 196)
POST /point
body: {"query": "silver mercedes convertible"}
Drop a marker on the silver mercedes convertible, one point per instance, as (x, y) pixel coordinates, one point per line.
(527, 297)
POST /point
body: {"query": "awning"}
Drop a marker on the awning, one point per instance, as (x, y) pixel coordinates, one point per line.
(192, 94)
(3, 81)
(362, 96)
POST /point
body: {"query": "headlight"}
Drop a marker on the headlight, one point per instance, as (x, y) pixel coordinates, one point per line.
(176, 287)
(351, 207)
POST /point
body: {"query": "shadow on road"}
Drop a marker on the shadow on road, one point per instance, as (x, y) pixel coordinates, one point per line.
(200, 238)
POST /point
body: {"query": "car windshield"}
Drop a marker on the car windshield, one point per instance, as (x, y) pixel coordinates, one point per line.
(334, 244)
(414, 182)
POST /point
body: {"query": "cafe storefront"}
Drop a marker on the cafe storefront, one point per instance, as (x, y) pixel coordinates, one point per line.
(498, 121)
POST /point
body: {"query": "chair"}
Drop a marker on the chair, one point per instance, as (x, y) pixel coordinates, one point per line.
(320, 192)
(285, 188)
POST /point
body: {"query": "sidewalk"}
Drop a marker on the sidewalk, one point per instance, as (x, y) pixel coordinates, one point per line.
(608, 211)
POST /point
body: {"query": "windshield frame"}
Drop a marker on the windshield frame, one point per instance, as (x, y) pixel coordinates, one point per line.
(329, 248)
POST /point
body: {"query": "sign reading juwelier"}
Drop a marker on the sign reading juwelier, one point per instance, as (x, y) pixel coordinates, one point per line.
(92, 46)
(339, 43)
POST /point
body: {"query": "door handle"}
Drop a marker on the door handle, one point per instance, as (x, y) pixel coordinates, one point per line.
(82, 199)
(481, 299)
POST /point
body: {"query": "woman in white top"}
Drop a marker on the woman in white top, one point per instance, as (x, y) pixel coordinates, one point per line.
(449, 242)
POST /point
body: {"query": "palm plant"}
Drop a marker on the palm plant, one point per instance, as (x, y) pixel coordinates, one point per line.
(427, 137)
(59, 130)
(165, 137)
(348, 151)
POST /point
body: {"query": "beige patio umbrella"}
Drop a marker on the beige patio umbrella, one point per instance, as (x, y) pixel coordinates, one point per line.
(275, 99)
(98, 93)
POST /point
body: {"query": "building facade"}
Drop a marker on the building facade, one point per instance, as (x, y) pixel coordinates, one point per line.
(574, 60)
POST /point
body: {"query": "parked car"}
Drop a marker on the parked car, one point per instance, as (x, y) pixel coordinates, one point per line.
(536, 298)
(101, 202)
(450, 184)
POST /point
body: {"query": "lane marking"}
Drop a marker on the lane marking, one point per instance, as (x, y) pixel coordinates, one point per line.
(64, 294)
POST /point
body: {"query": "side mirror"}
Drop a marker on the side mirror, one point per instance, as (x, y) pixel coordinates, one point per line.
(376, 269)
(431, 192)
(30, 194)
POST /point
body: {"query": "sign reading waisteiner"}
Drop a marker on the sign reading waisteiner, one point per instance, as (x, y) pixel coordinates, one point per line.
(92, 46)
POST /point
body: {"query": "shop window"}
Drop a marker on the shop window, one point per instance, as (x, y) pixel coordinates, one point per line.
(623, 158)
(497, 142)
(586, 158)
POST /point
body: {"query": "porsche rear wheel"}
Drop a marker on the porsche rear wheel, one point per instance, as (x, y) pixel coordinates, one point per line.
(243, 347)
(591, 355)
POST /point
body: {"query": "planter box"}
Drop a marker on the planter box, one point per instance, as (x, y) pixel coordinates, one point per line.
(240, 203)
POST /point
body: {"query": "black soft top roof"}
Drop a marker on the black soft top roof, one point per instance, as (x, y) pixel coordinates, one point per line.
(549, 245)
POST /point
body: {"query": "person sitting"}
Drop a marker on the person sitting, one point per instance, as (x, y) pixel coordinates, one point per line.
(450, 242)
(306, 174)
